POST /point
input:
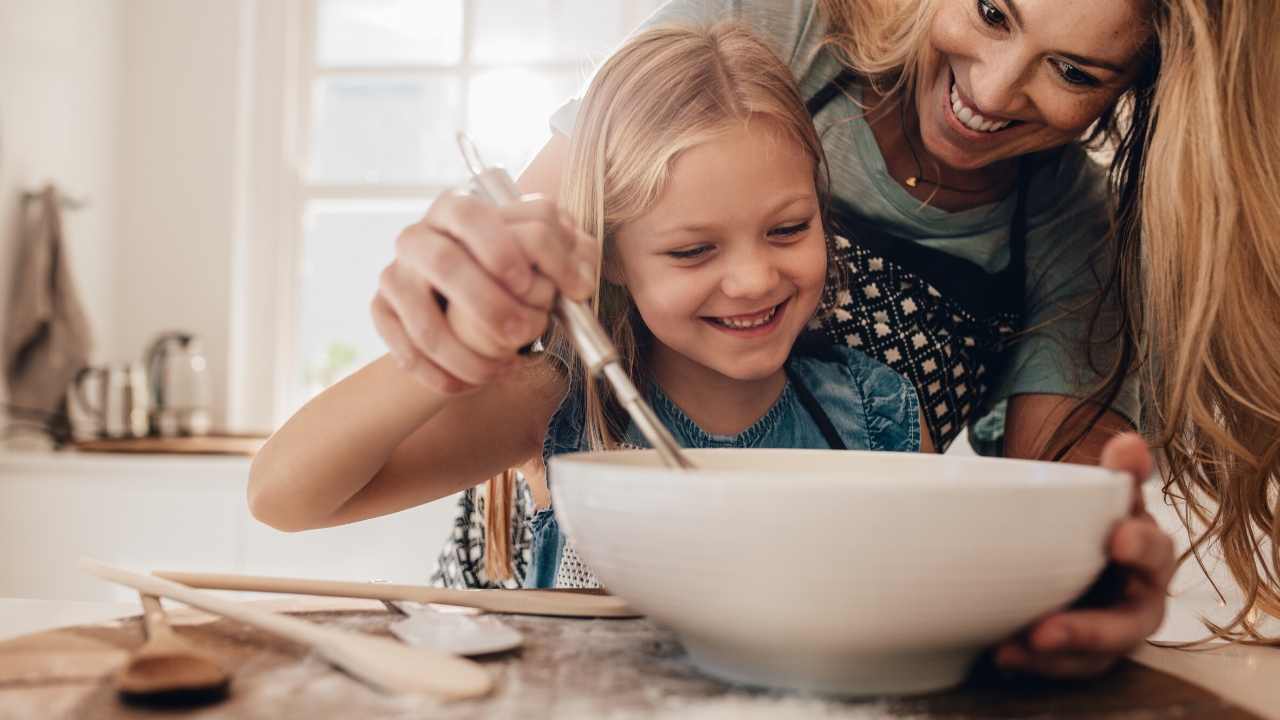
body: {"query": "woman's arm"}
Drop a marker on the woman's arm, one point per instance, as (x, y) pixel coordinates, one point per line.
(1037, 425)
(379, 442)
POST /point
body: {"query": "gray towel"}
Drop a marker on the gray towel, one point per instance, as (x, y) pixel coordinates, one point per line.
(47, 338)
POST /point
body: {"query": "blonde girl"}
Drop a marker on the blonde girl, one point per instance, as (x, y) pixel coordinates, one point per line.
(699, 168)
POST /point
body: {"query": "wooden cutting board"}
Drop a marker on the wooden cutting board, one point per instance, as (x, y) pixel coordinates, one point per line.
(621, 669)
(246, 445)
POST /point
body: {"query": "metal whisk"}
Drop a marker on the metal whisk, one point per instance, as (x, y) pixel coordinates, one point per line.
(593, 345)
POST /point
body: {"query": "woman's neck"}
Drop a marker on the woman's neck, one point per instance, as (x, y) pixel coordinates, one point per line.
(719, 404)
(897, 133)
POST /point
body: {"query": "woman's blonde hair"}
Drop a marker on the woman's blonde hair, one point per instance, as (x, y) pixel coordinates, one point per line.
(666, 90)
(1196, 181)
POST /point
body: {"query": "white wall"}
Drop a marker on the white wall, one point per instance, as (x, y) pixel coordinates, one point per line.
(60, 121)
(183, 174)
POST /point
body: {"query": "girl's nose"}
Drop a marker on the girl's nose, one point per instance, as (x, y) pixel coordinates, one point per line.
(751, 274)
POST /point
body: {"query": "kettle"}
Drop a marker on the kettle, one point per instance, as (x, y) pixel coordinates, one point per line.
(179, 380)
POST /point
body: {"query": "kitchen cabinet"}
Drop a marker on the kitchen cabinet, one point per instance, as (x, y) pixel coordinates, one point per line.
(150, 512)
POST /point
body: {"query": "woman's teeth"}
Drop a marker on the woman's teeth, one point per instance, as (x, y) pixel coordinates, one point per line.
(744, 322)
(971, 119)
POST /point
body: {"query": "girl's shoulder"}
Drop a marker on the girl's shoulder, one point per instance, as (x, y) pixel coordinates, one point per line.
(868, 401)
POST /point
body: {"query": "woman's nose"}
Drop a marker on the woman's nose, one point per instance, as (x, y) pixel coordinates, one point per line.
(751, 274)
(996, 85)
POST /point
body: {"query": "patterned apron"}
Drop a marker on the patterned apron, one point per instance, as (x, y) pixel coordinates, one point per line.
(941, 321)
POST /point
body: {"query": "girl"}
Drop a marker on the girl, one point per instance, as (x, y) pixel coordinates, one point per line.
(699, 168)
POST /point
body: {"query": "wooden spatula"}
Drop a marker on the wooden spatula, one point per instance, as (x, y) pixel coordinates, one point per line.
(559, 603)
(168, 670)
(379, 661)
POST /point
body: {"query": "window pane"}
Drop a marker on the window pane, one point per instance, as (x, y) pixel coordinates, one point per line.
(509, 112)
(515, 31)
(388, 32)
(346, 243)
(385, 130)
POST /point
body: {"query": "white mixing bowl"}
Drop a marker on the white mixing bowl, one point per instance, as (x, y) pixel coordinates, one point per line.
(845, 573)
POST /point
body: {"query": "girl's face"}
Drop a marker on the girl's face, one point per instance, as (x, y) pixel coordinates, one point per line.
(1010, 77)
(728, 266)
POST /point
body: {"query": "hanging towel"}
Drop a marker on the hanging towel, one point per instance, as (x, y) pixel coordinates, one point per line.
(47, 338)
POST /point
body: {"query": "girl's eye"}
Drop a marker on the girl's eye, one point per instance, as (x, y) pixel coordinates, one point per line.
(1075, 75)
(789, 230)
(991, 14)
(689, 253)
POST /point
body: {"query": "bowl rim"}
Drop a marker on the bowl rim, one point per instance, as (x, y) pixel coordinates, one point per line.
(1066, 475)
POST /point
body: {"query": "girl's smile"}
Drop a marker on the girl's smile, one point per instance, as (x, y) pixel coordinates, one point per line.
(753, 324)
(725, 280)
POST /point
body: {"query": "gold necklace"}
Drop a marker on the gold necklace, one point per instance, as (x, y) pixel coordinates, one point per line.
(913, 181)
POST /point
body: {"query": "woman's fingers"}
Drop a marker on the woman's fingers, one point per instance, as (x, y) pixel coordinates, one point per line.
(1129, 453)
(1012, 657)
(1139, 545)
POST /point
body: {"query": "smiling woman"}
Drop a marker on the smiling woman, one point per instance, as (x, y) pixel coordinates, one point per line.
(1174, 90)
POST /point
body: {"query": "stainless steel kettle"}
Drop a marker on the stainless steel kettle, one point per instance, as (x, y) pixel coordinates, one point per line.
(179, 380)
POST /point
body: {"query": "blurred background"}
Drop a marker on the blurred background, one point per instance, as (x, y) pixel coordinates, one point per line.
(244, 166)
(238, 170)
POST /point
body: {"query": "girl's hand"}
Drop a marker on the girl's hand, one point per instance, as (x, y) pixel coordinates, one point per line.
(1124, 607)
(471, 284)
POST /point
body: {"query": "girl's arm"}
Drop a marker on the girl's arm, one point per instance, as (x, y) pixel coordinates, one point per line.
(379, 442)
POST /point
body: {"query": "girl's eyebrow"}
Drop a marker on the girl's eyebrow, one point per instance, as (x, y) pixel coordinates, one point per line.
(786, 201)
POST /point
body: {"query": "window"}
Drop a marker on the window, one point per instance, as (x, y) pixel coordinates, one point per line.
(386, 85)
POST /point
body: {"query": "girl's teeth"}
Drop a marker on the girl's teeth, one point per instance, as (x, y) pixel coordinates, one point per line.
(744, 324)
(971, 119)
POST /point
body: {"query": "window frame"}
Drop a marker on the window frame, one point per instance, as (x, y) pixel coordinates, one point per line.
(265, 375)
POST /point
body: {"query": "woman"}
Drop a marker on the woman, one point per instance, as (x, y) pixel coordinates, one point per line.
(954, 132)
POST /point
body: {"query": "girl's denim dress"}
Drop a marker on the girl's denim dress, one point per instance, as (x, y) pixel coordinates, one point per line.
(864, 403)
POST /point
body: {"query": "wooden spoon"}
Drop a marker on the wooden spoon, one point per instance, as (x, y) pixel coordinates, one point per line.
(380, 661)
(559, 603)
(167, 670)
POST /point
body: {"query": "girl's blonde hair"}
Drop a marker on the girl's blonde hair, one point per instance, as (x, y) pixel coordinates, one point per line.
(1196, 180)
(666, 90)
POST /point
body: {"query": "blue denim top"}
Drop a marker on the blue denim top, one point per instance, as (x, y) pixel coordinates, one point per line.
(870, 406)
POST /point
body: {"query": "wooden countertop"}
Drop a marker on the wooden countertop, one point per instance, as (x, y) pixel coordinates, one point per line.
(594, 669)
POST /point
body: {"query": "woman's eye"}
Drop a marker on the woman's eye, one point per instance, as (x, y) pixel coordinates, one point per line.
(991, 14)
(689, 253)
(789, 230)
(1075, 75)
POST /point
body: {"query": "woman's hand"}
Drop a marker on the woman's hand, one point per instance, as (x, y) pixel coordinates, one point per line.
(470, 284)
(1091, 636)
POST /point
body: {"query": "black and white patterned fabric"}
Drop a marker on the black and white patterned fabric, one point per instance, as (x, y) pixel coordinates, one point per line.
(941, 321)
(461, 560)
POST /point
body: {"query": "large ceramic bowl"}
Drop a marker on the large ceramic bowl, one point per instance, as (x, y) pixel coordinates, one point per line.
(846, 573)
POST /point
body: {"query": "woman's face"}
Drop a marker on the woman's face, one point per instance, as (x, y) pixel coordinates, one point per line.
(729, 264)
(1010, 77)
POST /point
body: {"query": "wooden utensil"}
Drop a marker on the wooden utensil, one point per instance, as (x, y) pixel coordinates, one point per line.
(167, 670)
(378, 661)
(519, 602)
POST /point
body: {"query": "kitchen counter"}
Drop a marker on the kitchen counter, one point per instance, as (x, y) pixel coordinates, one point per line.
(617, 669)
